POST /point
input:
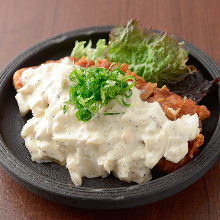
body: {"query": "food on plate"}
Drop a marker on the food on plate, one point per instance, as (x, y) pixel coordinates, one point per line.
(98, 116)
(156, 57)
(127, 144)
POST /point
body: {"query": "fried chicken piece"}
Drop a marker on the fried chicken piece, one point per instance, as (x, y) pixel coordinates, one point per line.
(146, 88)
(17, 75)
(17, 78)
(109, 66)
(83, 62)
(169, 102)
(167, 166)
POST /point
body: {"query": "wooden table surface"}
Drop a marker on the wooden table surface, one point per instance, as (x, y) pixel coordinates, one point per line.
(24, 22)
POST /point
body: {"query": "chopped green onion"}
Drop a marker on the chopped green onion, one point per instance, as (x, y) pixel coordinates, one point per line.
(113, 113)
(93, 88)
(64, 109)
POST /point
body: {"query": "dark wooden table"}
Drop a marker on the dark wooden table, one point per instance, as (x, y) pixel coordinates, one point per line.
(23, 23)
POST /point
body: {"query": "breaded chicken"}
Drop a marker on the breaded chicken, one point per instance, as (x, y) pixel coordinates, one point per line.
(173, 105)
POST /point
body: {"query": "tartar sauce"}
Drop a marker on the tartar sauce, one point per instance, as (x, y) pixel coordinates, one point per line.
(129, 145)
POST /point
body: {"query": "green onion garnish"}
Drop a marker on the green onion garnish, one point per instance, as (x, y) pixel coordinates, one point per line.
(93, 88)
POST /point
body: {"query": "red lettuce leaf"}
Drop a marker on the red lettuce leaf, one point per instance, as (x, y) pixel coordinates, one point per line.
(193, 86)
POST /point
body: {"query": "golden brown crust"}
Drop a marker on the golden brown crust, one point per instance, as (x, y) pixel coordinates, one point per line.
(17, 78)
(17, 75)
(167, 166)
(168, 100)
(108, 65)
(83, 62)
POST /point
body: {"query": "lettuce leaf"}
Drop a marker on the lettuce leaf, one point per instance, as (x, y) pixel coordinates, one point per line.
(194, 86)
(98, 51)
(157, 57)
(80, 50)
(91, 53)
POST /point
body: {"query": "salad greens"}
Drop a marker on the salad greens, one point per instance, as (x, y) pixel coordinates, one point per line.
(194, 86)
(93, 88)
(156, 57)
(91, 54)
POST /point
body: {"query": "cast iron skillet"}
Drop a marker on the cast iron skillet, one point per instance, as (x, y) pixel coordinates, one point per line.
(52, 181)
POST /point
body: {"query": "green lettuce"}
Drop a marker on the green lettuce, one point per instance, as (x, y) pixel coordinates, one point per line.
(157, 57)
(80, 50)
(91, 53)
(98, 51)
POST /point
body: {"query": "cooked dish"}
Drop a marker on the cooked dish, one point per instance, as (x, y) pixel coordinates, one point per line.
(146, 127)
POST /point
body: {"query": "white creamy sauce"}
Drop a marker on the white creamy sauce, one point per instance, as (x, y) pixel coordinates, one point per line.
(128, 145)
